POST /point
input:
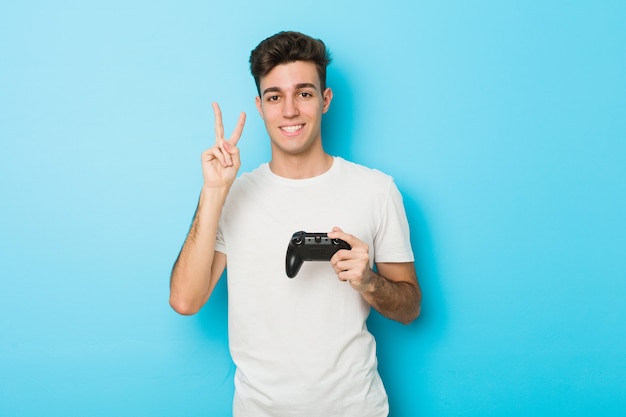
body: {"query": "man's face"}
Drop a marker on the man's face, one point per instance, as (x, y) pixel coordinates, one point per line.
(291, 105)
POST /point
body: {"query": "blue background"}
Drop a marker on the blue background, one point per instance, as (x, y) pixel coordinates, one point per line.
(503, 123)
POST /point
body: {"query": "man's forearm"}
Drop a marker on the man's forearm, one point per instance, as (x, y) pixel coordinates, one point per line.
(396, 300)
(191, 279)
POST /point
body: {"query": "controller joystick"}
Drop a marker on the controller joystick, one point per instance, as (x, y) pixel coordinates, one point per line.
(305, 246)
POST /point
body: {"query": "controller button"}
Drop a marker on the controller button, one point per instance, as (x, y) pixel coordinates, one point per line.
(297, 238)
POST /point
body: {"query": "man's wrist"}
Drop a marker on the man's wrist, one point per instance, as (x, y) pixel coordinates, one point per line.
(215, 193)
(372, 281)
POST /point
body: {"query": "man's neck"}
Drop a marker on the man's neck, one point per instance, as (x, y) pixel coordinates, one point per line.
(300, 166)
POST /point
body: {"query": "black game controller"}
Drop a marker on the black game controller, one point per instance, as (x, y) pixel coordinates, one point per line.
(305, 246)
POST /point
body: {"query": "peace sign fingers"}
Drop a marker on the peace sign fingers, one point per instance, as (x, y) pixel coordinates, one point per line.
(219, 127)
(226, 148)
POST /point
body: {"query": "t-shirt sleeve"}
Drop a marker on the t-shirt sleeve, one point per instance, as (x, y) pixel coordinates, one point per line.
(393, 239)
(220, 246)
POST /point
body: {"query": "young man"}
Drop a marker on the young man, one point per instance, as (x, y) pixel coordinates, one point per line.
(300, 345)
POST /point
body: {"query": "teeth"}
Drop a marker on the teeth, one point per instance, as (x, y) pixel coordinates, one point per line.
(292, 129)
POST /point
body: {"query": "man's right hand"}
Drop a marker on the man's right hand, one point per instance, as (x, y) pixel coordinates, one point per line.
(221, 162)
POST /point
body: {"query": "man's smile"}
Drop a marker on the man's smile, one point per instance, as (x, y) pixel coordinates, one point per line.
(292, 129)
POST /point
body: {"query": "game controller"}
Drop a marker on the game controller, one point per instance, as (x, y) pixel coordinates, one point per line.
(305, 246)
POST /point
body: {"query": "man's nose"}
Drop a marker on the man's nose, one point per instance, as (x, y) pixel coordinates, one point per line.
(290, 108)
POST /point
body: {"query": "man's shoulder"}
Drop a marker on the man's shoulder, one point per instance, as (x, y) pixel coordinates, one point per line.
(260, 171)
(362, 172)
(247, 182)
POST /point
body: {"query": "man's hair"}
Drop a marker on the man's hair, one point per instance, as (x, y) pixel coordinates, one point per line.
(287, 47)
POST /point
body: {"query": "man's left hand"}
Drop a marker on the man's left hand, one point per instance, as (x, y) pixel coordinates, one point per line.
(353, 265)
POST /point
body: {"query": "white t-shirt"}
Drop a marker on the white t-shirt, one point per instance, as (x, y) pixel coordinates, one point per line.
(301, 345)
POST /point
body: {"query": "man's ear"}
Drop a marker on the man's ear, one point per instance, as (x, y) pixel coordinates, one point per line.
(328, 97)
(257, 101)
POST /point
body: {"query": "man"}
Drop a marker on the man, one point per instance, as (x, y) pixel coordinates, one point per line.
(300, 345)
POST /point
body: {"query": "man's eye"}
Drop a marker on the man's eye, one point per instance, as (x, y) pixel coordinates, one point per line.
(272, 98)
(306, 95)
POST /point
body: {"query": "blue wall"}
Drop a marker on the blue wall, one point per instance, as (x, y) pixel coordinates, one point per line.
(502, 122)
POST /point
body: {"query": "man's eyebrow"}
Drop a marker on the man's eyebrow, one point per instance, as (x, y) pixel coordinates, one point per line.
(298, 87)
(306, 85)
(271, 90)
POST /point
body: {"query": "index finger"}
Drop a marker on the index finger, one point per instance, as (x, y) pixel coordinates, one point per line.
(337, 233)
(219, 126)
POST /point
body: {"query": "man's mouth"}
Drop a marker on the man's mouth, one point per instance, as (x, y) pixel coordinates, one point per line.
(292, 129)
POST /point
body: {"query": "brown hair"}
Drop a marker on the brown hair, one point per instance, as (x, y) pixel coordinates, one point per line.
(286, 47)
